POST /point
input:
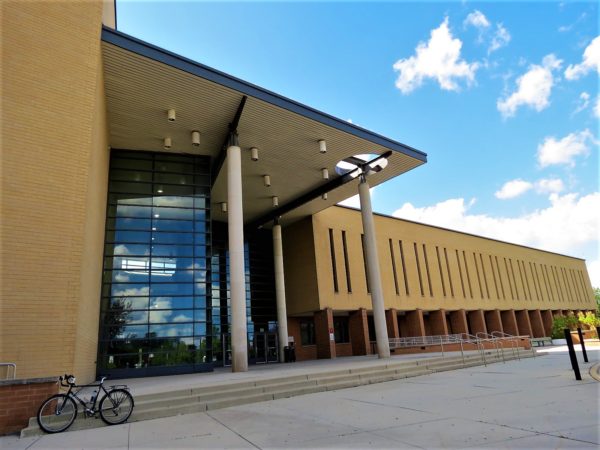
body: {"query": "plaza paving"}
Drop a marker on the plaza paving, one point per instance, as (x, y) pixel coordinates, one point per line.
(532, 403)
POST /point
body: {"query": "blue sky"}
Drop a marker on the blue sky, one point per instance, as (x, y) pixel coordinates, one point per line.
(503, 96)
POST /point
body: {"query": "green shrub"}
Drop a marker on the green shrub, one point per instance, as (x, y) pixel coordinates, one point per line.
(560, 323)
(589, 320)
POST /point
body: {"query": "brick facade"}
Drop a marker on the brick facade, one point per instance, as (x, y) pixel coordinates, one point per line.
(21, 399)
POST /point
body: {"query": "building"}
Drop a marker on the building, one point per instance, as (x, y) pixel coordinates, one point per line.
(147, 200)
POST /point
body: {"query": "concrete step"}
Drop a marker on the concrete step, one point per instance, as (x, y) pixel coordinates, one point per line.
(186, 401)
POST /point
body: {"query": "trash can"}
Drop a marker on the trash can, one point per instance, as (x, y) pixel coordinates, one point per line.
(286, 354)
(292, 353)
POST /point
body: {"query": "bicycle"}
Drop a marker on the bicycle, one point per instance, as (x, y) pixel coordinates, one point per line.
(58, 412)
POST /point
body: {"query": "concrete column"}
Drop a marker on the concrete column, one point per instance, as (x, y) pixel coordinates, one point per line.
(509, 322)
(280, 290)
(477, 322)
(523, 323)
(235, 224)
(558, 313)
(359, 332)
(458, 321)
(547, 320)
(414, 323)
(391, 319)
(323, 327)
(493, 321)
(373, 272)
(537, 325)
(437, 322)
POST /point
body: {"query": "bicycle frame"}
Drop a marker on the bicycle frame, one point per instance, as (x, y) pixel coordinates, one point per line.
(88, 409)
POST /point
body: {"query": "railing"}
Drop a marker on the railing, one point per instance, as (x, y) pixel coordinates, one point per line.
(495, 339)
(10, 366)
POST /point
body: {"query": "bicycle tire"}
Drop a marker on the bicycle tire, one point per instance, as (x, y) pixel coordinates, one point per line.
(57, 413)
(116, 406)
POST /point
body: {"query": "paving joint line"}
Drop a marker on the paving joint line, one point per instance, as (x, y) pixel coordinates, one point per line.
(233, 431)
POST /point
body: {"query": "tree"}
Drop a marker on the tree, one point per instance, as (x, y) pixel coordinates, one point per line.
(597, 295)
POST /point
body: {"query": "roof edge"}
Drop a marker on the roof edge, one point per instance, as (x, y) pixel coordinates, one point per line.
(155, 53)
(461, 232)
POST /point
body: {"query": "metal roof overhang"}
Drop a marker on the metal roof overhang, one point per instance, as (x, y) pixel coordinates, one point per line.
(143, 81)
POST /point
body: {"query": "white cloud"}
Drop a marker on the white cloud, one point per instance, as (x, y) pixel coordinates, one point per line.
(354, 201)
(533, 88)
(594, 271)
(567, 225)
(564, 151)
(584, 102)
(549, 185)
(590, 62)
(597, 107)
(513, 188)
(438, 59)
(477, 19)
(501, 38)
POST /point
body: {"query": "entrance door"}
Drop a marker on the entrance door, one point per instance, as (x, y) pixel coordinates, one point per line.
(266, 347)
(226, 342)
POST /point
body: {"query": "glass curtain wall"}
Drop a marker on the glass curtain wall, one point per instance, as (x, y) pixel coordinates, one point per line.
(155, 307)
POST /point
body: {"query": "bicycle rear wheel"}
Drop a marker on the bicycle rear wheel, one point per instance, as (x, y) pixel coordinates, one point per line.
(57, 413)
(116, 406)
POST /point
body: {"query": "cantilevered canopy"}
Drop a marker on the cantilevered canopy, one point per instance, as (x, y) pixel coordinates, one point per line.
(142, 82)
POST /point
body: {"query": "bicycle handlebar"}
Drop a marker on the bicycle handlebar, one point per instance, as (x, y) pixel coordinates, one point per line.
(70, 380)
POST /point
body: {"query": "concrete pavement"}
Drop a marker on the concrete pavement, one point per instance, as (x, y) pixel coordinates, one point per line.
(532, 403)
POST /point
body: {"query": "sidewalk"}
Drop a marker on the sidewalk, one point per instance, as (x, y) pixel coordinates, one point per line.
(532, 403)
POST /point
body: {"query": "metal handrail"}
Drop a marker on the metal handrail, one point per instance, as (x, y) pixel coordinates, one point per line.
(510, 338)
(14, 370)
(494, 340)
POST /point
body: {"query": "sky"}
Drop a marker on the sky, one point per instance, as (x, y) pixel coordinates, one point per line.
(502, 96)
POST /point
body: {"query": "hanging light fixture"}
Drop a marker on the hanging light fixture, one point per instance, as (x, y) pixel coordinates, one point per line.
(167, 143)
(254, 154)
(195, 138)
(324, 196)
(325, 173)
(224, 207)
(267, 180)
(171, 115)
(275, 201)
(322, 146)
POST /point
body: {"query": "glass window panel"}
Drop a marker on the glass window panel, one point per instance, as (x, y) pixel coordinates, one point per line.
(172, 178)
(130, 175)
(200, 202)
(128, 224)
(130, 188)
(172, 225)
(174, 201)
(200, 215)
(127, 249)
(200, 302)
(134, 211)
(129, 290)
(169, 302)
(200, 315)
(173, 238)
(177, 167)
(140, 164)
(129, 331)
(173, 251)
(176, 316)
(125, 276)
(167, 289)
(200, 276)
(200, 239)
(172, 213)
(171, 330)
(163, 192)
(130, 317)
(199, 329)
(129, 199)
(200, 263)
(129, 302)
(200, 288)
(178, 276)
(127, 236)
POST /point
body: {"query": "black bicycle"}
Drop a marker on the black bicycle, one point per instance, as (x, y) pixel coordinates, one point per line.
(58, 412)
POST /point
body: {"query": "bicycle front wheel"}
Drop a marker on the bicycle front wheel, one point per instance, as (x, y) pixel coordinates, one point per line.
(57, 413)
(116, 406)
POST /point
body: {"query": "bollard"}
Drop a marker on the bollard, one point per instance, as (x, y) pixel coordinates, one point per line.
(598, 333)
(572, 355)
(585, 358)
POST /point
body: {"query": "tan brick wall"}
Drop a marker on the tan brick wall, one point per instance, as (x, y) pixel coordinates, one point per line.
(449, 270)
(53, 148)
